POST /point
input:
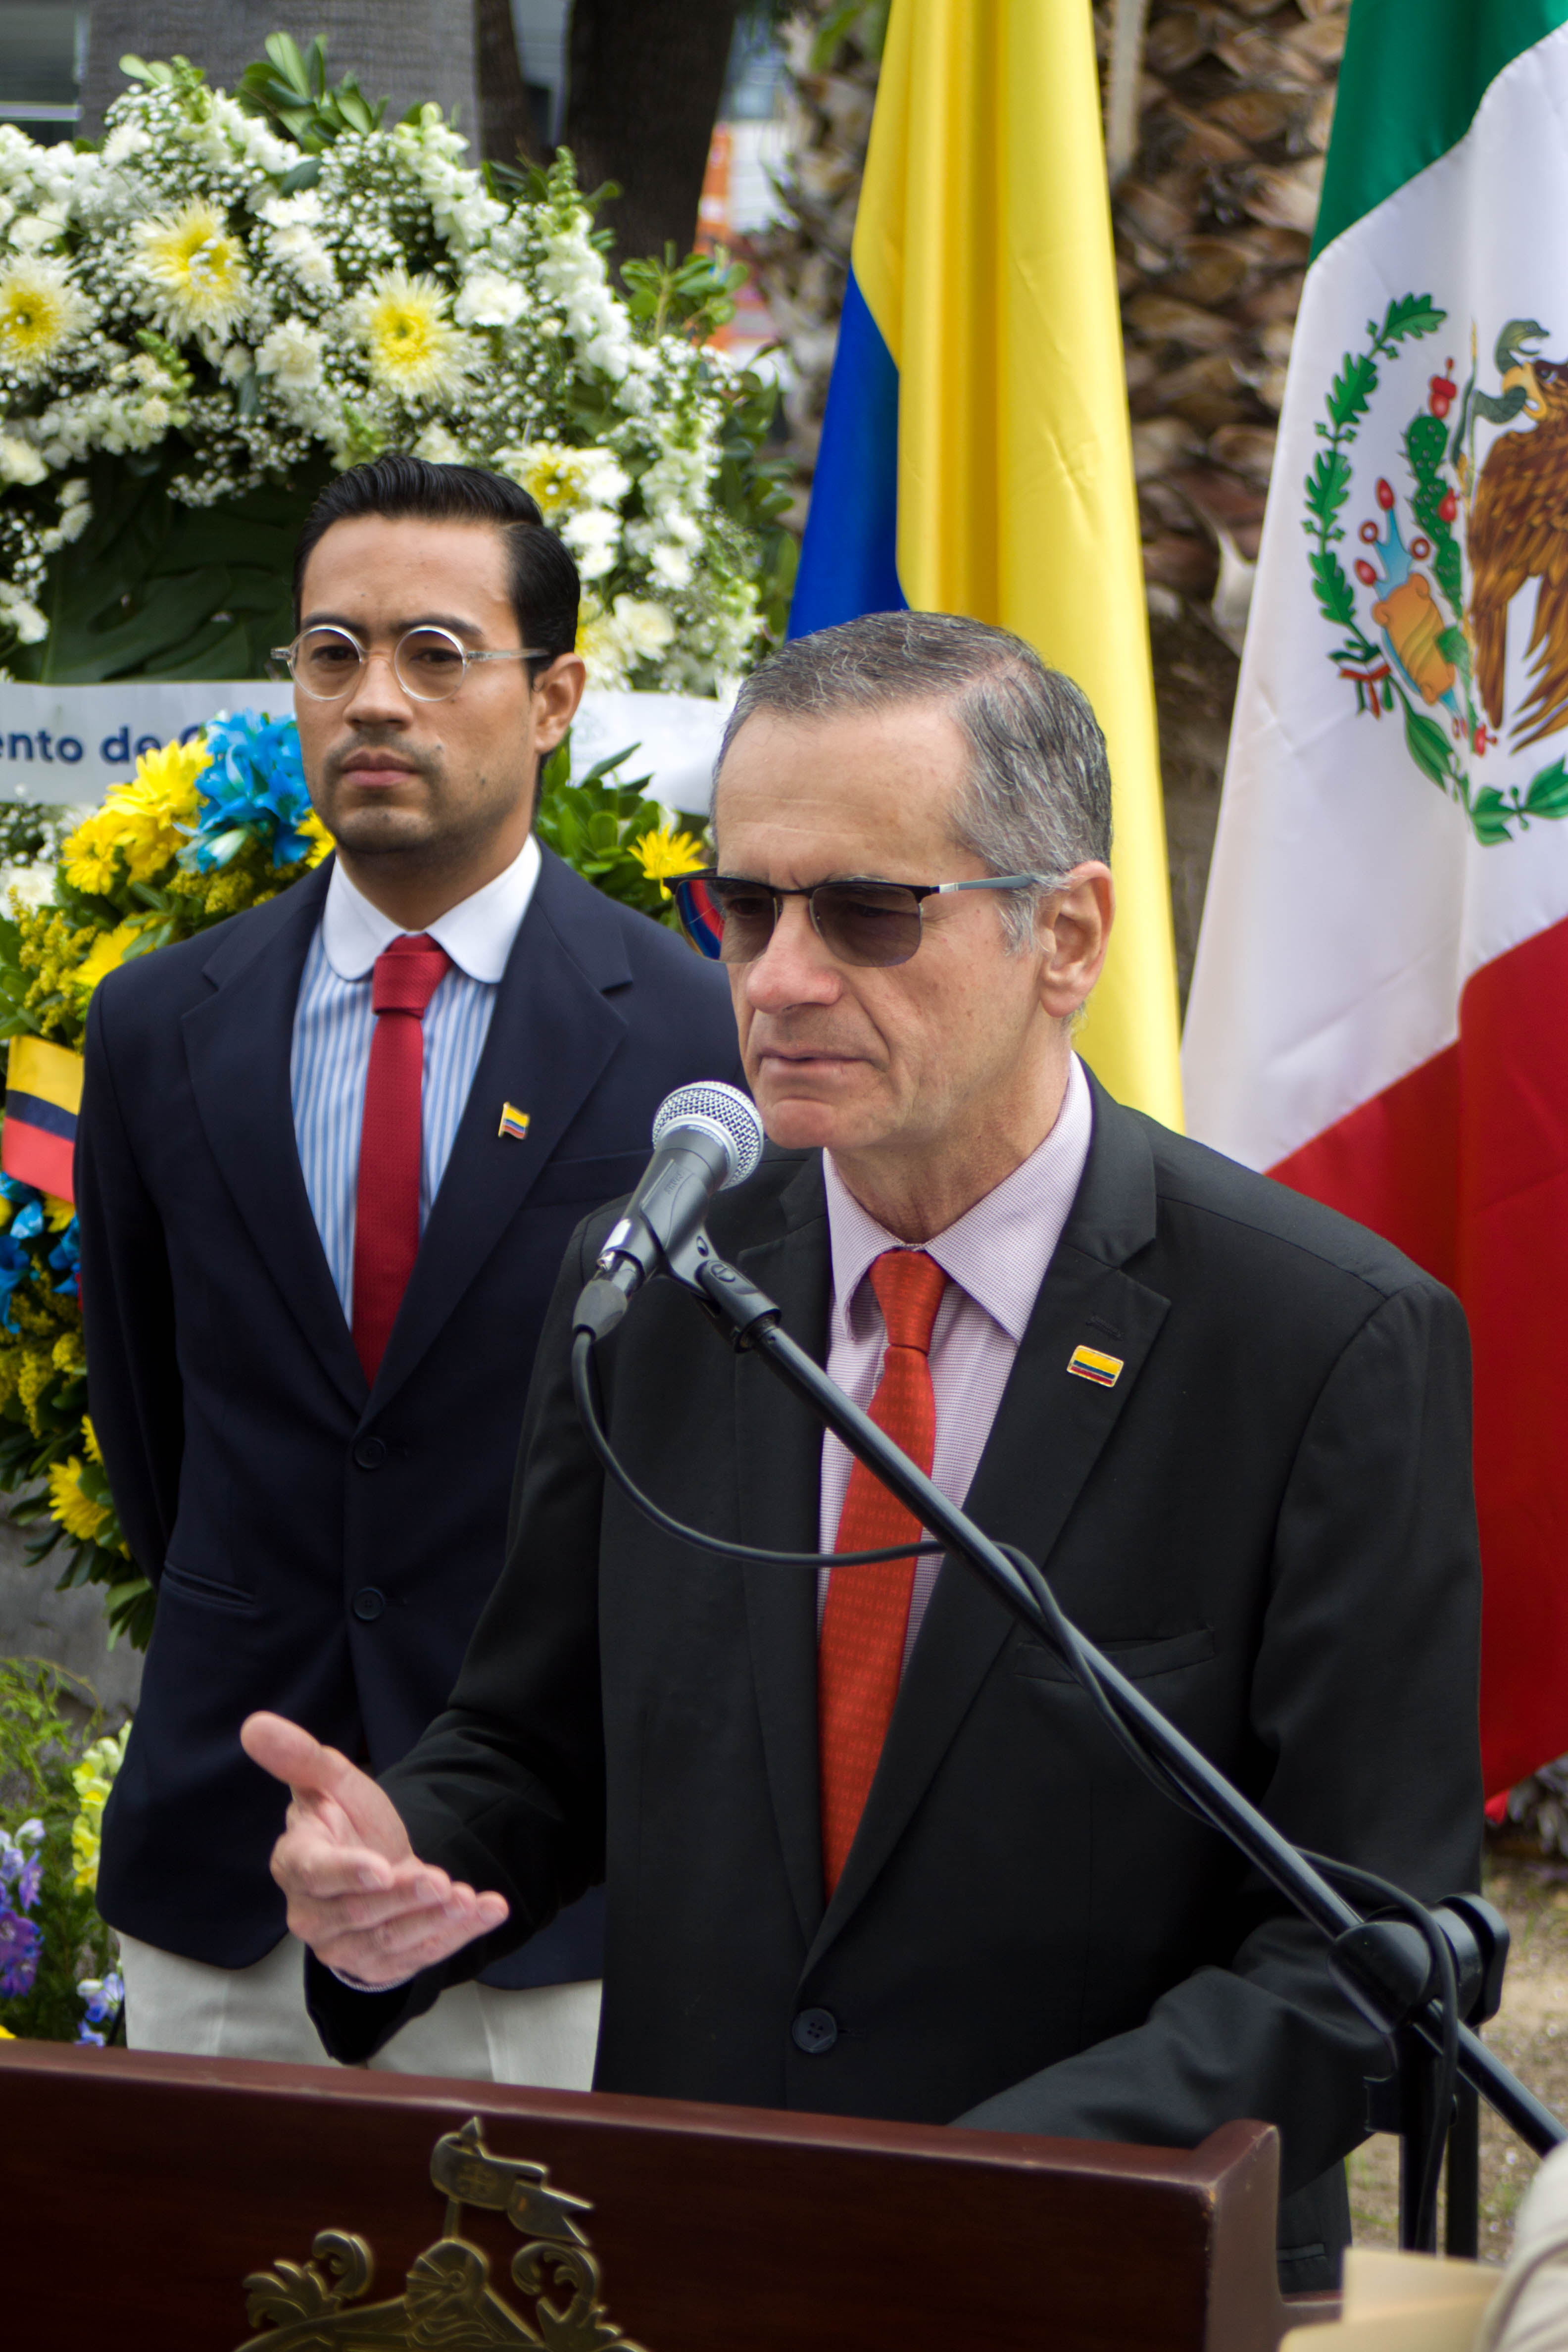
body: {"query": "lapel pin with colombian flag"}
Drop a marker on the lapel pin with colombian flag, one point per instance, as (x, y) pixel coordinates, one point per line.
(1089, 1364)
(513, 1122)
(43, 1095)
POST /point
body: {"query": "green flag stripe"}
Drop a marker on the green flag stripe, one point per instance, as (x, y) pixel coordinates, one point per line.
(1413, 73)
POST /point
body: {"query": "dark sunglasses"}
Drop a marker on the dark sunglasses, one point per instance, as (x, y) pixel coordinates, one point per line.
(867, 923)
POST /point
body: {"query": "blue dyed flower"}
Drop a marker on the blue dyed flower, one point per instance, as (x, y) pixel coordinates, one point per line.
(66, 1259)
(27, 1206)
(29, 1883)
(21, 1941)
(86, 2034)
(14, 1268)
(253, 789)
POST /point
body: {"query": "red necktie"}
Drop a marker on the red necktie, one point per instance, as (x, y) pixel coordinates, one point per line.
(386, 1218)
(861, 1653)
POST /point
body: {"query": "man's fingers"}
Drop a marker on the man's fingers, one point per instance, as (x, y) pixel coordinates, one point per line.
(319, 1776)
(398, 1948)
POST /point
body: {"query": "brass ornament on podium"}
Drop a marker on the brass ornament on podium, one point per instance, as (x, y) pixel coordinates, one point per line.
(447, 2300)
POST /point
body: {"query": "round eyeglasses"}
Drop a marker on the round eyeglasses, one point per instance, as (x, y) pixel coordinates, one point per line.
(871, 924)
(429, 664)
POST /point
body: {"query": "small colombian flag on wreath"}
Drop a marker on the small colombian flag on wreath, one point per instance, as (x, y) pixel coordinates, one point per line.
(43, 1095)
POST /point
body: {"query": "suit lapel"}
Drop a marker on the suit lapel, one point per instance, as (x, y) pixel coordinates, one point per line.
(1049, 1431)
(551, 1035)
(237, 1045)
(779, 1451)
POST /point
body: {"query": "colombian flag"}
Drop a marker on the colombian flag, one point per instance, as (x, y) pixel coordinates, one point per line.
(43, 1095)
(975, 454)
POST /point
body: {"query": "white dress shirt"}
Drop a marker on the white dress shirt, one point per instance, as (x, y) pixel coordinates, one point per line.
(334, 1022)
(995, 1258)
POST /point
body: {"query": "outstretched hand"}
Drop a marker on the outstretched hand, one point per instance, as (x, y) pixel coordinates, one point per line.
(358, 1894)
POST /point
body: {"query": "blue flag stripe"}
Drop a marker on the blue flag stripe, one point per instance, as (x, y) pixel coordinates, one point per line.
(848, 563)
(36, 1112)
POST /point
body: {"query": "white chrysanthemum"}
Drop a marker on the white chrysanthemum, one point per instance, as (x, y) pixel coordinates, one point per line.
(488, 300)
(594, 536)
(35, 230)
(561, 478)
(410, 349)
(123, 141)
(292, 353)
(671, 565)
(640, 628)
(19, 461)
(196, 269)
(439, 448)
(42, 312)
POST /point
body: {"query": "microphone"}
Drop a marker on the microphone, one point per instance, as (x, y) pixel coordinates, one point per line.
(705, 1138)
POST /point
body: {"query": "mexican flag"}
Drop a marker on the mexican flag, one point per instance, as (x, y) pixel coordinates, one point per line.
(1378, 1013)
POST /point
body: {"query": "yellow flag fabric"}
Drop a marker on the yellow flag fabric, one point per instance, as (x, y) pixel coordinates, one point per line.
(983, 249)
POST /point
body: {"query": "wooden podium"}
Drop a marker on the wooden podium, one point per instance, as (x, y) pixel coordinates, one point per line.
(139, 2192)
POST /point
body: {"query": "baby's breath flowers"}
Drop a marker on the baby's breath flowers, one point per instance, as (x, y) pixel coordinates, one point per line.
(200, 294)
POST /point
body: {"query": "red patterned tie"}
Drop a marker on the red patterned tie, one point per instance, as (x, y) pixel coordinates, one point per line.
(386, 1219)
(861, 1653)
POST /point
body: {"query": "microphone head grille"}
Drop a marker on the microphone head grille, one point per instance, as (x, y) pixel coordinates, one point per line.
(725, 1112)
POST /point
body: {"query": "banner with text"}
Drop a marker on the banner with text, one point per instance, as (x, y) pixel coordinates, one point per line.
(75, 744)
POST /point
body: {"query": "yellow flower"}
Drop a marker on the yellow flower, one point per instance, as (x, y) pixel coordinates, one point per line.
(58, 1212)
(413, 351)
(320, 839)
(598, 645)
(93, 1778)
(197, 266)
(77, 1513)
(40, 312)
(6, 2035)
(146, 821)
(94, 1450)
(664, 853)
(561, 479)
(107, 953)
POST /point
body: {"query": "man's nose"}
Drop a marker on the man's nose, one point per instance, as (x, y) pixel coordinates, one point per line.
(377, 696)
(794, 968)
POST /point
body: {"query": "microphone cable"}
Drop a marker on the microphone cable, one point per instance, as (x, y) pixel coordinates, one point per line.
(585, 1388)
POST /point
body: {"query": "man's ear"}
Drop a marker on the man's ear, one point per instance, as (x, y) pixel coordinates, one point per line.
(1075, 932)
(556, 694)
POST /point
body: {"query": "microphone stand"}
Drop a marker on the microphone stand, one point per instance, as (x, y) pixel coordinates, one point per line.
(1382, 1966)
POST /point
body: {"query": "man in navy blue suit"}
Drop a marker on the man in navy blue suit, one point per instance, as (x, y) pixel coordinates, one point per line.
(331, 1154)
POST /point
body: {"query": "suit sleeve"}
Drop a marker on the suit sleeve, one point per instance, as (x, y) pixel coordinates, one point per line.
(506, 1790)
(128, 1309)
(1364, 1705)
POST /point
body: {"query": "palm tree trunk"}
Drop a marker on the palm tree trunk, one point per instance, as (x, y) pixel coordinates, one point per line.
(646, 79)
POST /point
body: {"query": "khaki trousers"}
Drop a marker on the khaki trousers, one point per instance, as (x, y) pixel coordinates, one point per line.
(546, 2035)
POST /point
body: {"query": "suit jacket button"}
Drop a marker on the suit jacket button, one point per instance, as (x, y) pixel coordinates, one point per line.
(815, 2030)
(368, 1605)
(371, 1453)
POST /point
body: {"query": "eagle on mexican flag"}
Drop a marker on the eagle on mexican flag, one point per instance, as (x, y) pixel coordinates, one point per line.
(1379, 1012)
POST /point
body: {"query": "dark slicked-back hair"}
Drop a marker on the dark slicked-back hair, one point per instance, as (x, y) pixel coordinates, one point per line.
(1036, 797)
(543, 577)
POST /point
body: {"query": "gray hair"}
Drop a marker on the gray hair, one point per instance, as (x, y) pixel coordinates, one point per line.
(1037, 796)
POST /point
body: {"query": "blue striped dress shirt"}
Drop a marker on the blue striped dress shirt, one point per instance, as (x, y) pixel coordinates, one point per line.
(334, 1022)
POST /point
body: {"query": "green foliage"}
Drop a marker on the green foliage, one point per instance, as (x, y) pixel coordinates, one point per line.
(38, 1746)
(691, 298)
(290, 90)
(867, 20)
(1427, 744)
(154, 589)
(593, 823)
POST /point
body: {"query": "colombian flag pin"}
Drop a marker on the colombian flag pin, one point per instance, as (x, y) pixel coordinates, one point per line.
(1089, 1364)
(513, 1122)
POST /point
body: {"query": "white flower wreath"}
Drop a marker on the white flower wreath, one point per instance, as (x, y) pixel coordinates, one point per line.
(193, 287)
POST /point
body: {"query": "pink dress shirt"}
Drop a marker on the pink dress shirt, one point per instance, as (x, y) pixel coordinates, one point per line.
(995, 1258)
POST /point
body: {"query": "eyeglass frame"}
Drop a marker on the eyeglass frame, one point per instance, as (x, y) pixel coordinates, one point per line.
(919, 892)
(289, 653)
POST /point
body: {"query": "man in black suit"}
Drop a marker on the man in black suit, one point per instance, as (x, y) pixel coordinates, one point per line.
(1232, 1426)
(307, 1355)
